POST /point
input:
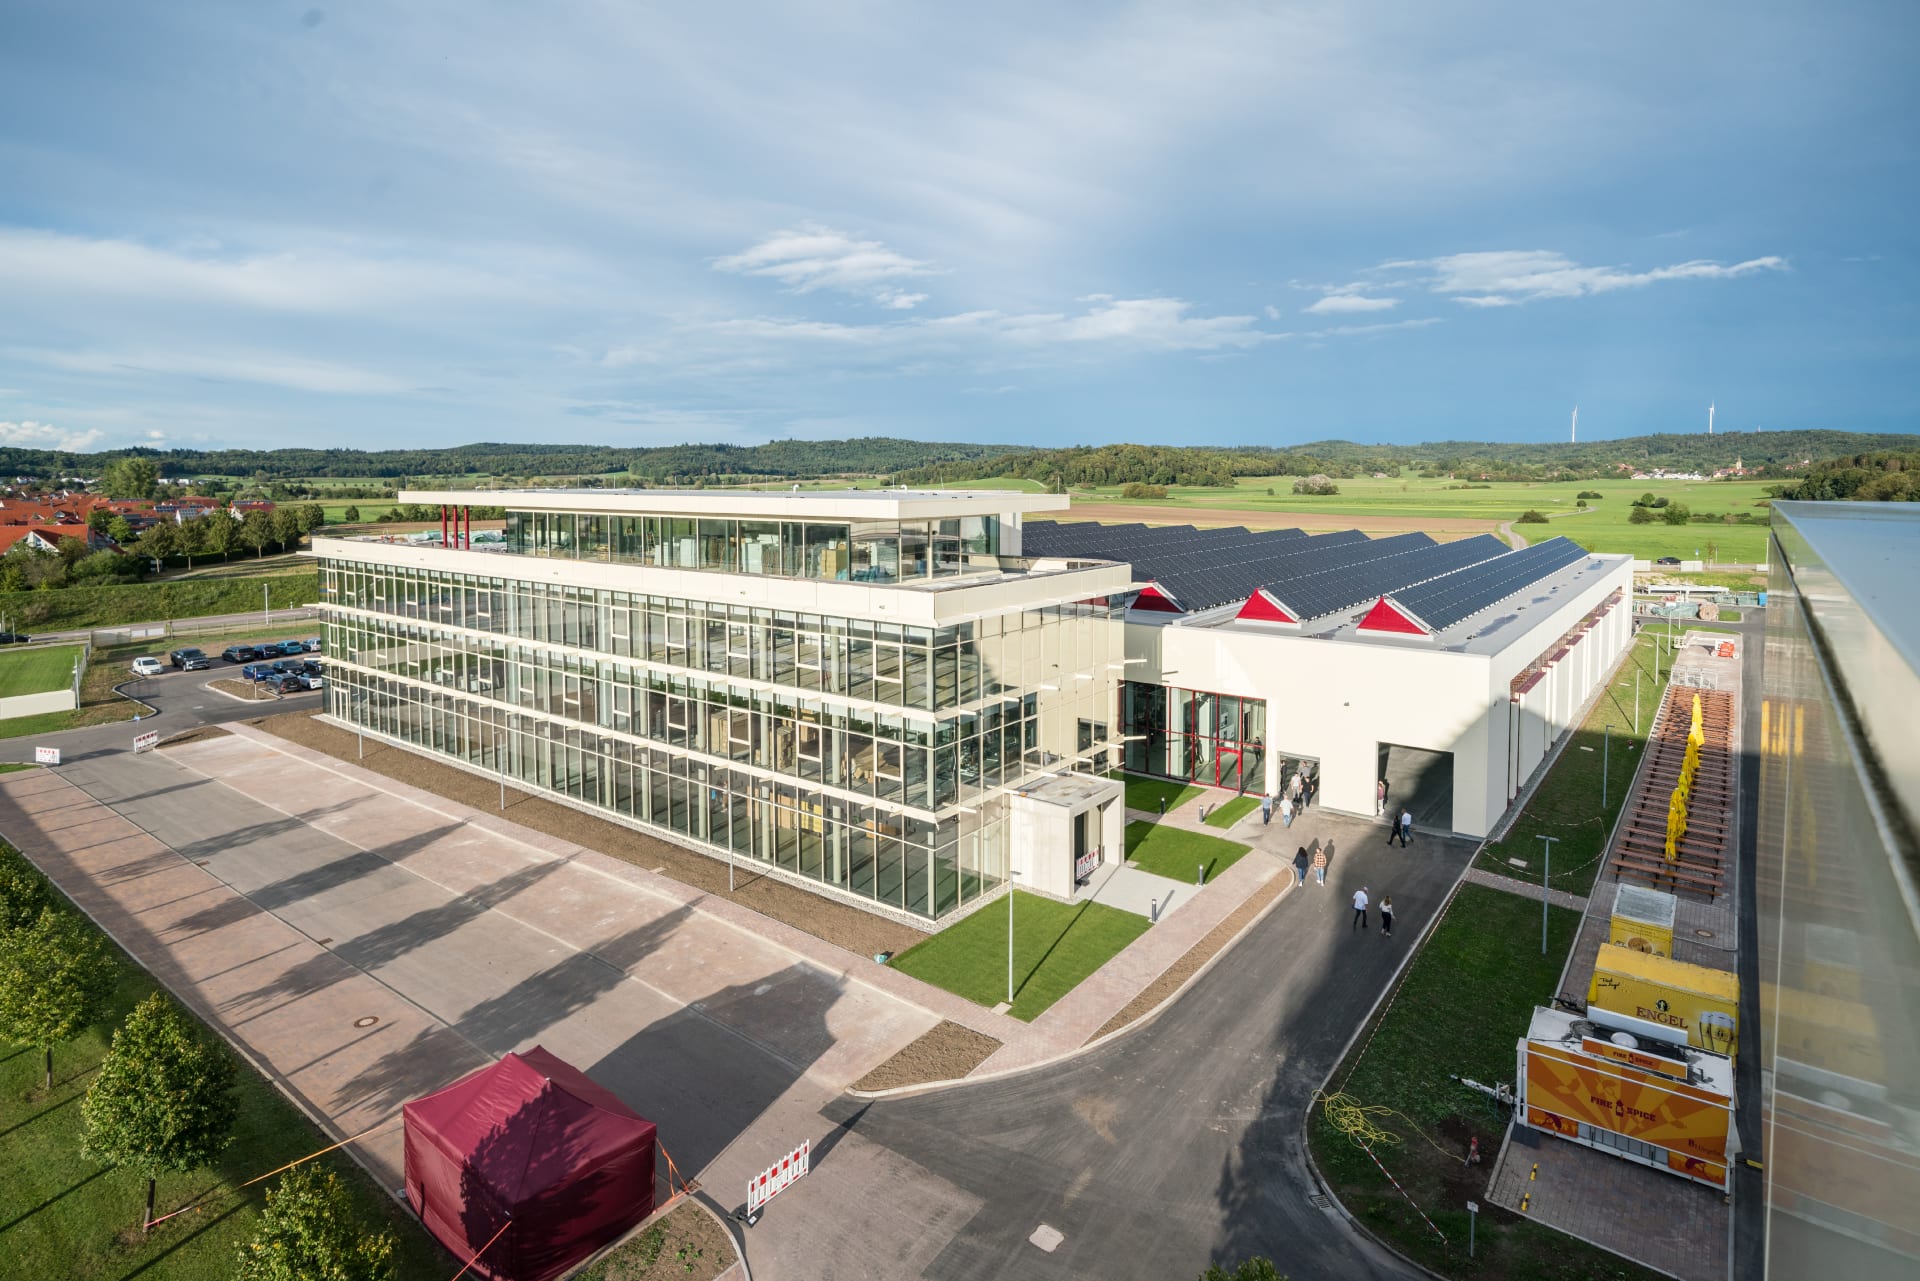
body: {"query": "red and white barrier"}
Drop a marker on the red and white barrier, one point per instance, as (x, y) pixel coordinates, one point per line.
(777, 1177)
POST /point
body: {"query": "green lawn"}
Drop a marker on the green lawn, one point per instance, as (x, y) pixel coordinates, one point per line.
(1147, 793)
(1176, 853)
(1232, 811)
(64, 1216)
(1465, 1001)
(1055, 946)
(1567, 805)
(36, 671)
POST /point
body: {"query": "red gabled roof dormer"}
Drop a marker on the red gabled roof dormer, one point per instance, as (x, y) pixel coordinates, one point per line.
(1152, 599)
(1264, 608)
(1384, 617)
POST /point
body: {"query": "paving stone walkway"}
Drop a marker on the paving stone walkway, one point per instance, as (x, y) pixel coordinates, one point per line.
(1493, 880)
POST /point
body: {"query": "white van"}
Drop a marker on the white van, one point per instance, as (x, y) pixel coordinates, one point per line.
(148, 666)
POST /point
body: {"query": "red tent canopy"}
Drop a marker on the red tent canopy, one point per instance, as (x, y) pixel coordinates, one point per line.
(529, 1140)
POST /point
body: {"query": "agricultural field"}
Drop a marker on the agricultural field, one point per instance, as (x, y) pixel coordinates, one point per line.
(1409, 502)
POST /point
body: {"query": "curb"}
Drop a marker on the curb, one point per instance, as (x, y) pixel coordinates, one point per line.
(933, 1087)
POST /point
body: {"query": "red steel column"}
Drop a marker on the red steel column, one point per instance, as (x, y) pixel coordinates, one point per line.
(443, 524)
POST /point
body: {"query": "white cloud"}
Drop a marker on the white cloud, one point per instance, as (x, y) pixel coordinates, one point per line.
(1506, 277)
(814, 257)
(270, 369)
(1355, 331)
(1272, 312)
(33, 435)
(1347, 303)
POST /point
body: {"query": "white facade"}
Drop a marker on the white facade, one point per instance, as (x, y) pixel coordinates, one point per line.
(1338, 696)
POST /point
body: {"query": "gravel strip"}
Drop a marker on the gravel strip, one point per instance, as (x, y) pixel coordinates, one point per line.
(843, 925)
(1197, 955)
(193, 736)
(946, 1053)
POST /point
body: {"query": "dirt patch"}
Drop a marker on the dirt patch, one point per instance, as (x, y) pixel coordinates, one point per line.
(946, 1053)
(841, 924)
(194, 736)
(1442, 528)
(687, 1243)
(235, 687)
(1196, 956)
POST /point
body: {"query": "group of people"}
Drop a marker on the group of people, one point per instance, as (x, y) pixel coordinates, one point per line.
(1317, 858)
(1295, 795)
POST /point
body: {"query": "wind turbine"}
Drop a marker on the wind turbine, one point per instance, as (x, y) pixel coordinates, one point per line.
(1709, 420)
(1573, 434)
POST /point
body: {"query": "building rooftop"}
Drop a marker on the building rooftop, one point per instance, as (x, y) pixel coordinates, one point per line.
(787, 504)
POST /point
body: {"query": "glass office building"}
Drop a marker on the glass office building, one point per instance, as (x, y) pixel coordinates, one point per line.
(843, 687)
(1839, 893)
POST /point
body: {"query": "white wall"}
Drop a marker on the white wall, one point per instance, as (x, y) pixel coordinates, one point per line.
(56, 700)
(1339, 700)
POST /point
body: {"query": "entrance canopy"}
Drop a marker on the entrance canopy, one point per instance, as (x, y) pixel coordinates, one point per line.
(531, 1151)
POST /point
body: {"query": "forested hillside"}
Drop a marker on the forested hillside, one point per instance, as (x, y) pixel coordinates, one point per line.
(1880, 478)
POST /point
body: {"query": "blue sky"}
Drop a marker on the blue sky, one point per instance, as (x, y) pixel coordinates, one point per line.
(433, 223)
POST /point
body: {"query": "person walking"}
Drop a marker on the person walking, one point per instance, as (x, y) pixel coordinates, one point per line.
(1406, 827)
(1360, 908)
(1380, 799)
(1300, 861)
(1286, 811)
(1386, 916)
(1312, 787)
(1393, 830)
(1266, 810)
(1319, 864)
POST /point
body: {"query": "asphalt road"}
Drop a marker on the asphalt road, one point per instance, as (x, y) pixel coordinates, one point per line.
(1181, 1143)
(181, 701)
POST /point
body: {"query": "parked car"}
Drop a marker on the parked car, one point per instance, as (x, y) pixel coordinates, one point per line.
(190, 660)
(257, 671)
(287, 683)
(147, 666)
(312, 643)
(314, 667)
(282, 666)
(292, 647)
(239, 653)
(14, 638)
(1668, 560)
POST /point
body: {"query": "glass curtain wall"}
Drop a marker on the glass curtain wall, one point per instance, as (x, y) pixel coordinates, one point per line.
(1216, 739)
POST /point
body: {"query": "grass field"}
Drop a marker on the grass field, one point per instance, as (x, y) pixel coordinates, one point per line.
(64, 1216)
(38, 670)
(1464, 1002)
(1180, 854)
(1055, 946)
(1147, 793)
(1232, 812)
(1567, 805)
(1603, 527)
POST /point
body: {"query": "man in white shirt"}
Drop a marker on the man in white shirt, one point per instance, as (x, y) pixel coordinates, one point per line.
(1360, 908)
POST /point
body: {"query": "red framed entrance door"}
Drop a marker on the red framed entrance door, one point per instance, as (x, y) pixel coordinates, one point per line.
(1226, 768)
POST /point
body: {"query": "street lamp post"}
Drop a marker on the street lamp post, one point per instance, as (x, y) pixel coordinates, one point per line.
(1606, 750)
(1546, 890)
(1010, 875)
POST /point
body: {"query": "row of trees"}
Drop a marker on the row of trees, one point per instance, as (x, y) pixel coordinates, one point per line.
(1875, 478)
(163, 1099)
(219, 534)
(25, 567)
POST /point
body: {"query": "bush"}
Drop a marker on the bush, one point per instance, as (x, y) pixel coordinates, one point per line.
(308, 1230)
(1581, 503)
(1589, 493)
(1318, 483)
(350, 515)
(1659, 502)
(1530, 517)
(1675, 514)
(1639, 516)
(1140, 489)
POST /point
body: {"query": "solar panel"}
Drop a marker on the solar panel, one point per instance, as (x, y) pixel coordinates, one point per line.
(1441, 602)
(1329, 590)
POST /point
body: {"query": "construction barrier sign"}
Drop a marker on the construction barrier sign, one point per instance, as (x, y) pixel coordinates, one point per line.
(776, 1178)
(146, 742)
(46, 755)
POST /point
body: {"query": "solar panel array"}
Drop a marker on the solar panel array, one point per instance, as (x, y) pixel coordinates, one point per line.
(1200, 568)
(1441, 602)
(1316, 592)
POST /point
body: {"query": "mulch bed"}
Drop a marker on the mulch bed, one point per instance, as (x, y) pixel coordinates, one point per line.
(1197, 955)
(859, 932)
(234, 687)
(945, 1053)
(687, 1243)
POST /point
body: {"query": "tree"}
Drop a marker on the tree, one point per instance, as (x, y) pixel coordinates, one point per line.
(286, 527)
(1530, 517)
(218, 532)
(120, 530)
(161, 541)
(1676, 514)
(99, 518)
(1258, 1268)
(72, 551)
(312, 516)
(103, 566)
(129, 478)
(1645, 500)
(351, 515)
(1639, 516)
(1581, 503)
(24, 893)
(256, 531)
(309, 1230)
(163, 1098)
(55, 975)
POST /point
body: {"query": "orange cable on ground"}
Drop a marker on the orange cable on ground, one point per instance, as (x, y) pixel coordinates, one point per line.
(152, 1223)
(482, 1250)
